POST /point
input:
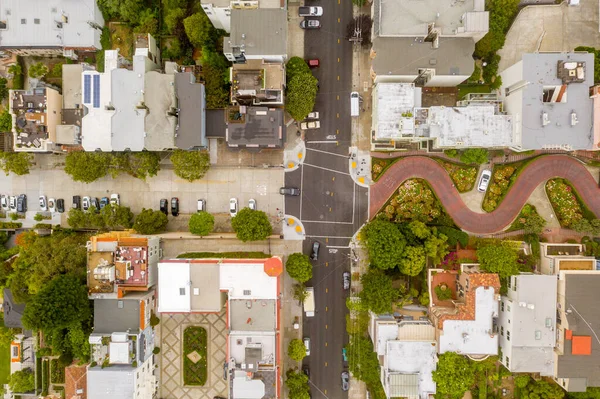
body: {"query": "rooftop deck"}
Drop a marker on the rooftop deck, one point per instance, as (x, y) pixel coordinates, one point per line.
(127, 266)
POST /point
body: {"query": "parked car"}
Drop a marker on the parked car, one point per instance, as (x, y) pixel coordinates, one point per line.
(4, 202)
(175, 206)
(484, 180)
(60, 205)
(346, 277)
(201, 205)
(164, 206)
(22, 203)
(313, 63)
(289, 191)
(233, 207)
(115, 199)
(13, 202)
(95, 203)
(310, 125)
(103, 202)
(313, 115)
(310, 11)
(76, 202)
(86, 203)
(344, 355)
(315, 250)
(252, 204)
(51, 204)
(345, 381)
(307, 345)
(310, 24)
(306, 371)
(43, 203)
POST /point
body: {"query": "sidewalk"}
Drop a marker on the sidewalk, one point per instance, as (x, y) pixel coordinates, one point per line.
(291, 310)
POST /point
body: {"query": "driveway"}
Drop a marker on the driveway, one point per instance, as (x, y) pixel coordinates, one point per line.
(536, 172)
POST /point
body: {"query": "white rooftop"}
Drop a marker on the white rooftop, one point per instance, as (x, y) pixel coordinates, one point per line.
(473, 337)
(118, 352)
(385, 331)
(245, 388)
(416, 358)
(174, 287)
(248, 281)
(393, 103)
(239, 341)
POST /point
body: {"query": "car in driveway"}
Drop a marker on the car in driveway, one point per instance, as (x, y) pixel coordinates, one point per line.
(13, 202)
(60, 205)
(43, 203)
(252, 204)
(76, 202)
(289, 191)
(103, 202)
(175, 206)
(346, 279)
(51, 204)
(4, 202)
(164, 206)
(86, 203)
(315, 250)
(233, 207)
(22, 203)
(307, 345)
(115, 199)
(345, 381)
(310, 24)
(484, 180)
(310, 125)
(313, 11)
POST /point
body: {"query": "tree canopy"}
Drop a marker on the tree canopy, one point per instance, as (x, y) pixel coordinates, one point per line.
(22, 381)
(111, 217)
(86, 166)
(542, 389)
(251, 225)
(362, 360)
(301, 95)
(190, 165)
(199, 29)
(124, 10)
(377, 294)
(413, 261)
(474, 155)
(37, 71)
(16, 162)
(296, 350)
(498, 259)
(384, 242)
(454, 375)
(297, 384)
(299, 267)
(5, 121)
(296, 66)
(150, 222)
(201, 223)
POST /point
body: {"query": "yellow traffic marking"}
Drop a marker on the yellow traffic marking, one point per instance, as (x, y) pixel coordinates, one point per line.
(338, 77)
(338, 59)
(326, 290)
(332, 194)
(338, 41)
(333, 178)
(326, 326)
(338, 97)
(326, 264)
(339, 21)
(337, 115)
(326, 239)
(337, 131)
(325, 392)
(337, 143)
(329, 209)
(325, 364)
(325, 344)
(327, 310)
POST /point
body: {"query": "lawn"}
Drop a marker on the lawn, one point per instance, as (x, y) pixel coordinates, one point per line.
(194, 339)
(463, 90)
(4, 364)
(221, 255)
(121, 37)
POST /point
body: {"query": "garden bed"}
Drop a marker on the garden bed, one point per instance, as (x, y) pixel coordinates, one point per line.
(194, 341)
(463, 176)
(57, 372)
(380, 165)
(566, 202)
(121, 37)
(221, 255)
(503, 177)
(519, 223)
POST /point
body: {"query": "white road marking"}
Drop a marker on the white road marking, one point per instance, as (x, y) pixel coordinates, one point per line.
(327, 152)
(330, 170)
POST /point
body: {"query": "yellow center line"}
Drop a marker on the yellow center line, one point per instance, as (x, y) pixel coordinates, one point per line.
(338, 41)
(337, 115)
(329, 209)
(339, 20)
(333, 178)
(338, 77)
(332, 194)
(325, 344)
(327, 239)
(337, 131)
(325, 364)
(327, 310)
(325, 392)
(338, 97)
(326, 290)
(326, 326)
(338, 59)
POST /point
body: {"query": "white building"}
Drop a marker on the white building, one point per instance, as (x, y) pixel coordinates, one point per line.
(219, 11)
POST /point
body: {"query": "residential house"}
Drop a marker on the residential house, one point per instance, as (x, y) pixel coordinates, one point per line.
(60, 27)
(68, 133)
(429, 43)
(407, 353)
(219, 11)
(257, 83)
(465, 324)
(548, 96)
(13, 311)
(527, 323)
(557, 257)
(255, 127)
(76, 382)
(190, 132)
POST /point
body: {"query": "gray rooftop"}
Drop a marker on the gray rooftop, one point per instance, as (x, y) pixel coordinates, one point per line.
(13, 312)
(215, 123)
(205, 282)
(116, 315)
(191, 102)
(264, 31)
(160, 99)
(263, 127)
(113, 382)
(71, 85)
(252, 315)
(127, 89)
(453, 57)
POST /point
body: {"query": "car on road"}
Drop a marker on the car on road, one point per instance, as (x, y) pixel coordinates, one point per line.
(4, 202)
(289, 191)
(115, 199)
(346, 277)
(306, 371)
(43, 203)
(313, 63)
(201, 205)
(313, 115)
(233, 207)
(310, 11)
(22, 203)
(175, 206)
(310, 125)
(13, 202)
(95, 203)
(76, 202)
(484, 180)
(164, 206)
(103, 202)
(310, 24)
(307, 345)
(60, 205)
(51, 204)
(344, 355)
(252, 204)
(345, 381)
(86, 203)
(315, 250)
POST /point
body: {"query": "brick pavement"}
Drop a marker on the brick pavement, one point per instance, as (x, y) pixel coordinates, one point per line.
(538, 171)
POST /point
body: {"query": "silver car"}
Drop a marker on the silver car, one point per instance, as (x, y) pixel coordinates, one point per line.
(345, 381)
(484, 180)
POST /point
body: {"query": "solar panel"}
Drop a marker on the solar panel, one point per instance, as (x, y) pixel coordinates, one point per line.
(96, 91)
(87, 95)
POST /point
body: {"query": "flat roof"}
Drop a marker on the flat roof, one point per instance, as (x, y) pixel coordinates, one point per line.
(261, 31)
(174, 287)
(385, 330)
(160, 99)
(416, 358)
(205, 283)
(263, 127)
(116, 315)
(71, 85)
(191, 131)
(111, 382)
(248, 281)
(393, 103)
(128, 120)
(239, 342)
(252, 315)
(576, 264)
(215, 123)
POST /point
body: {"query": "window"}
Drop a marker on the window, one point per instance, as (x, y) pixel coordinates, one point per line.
(502, 330)
(508, 307)
(515, 284)
(23, 21)
(502, 306)
(507, 361)
(508, 335)
(247, 292)
(182, 291)
(36, 21)
(509, 282)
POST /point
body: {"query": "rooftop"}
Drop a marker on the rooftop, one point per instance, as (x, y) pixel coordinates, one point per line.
(258, 32)
(394, 105)
(71, 85)
(410, 365)
(110, 382)
(37, 112)
(257, 82)
(252, 315)
(563, 249)
(259, 127)
(160, 122)
(112, 315)
(191, 130)
(76, 382)
(254, 350)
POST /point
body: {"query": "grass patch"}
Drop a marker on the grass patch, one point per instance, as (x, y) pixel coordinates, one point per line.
(45, 376)
(566, 202)
(121, 37)
(380, 165)
(57, 372)
(221, 255)
(463, 176)
(194, 339)
(4, 364)
(463, 90)
(503, 177)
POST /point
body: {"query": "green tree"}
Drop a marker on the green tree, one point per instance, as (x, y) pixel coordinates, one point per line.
(150, 222)
(436, 248)
(202, 223)
(22, 381)
(413, 261)
(301, 95)
(116, 217)
(590, 393)
(148, 22)
(79, 342)
(215, 69)
(77, 218)
(534, 224)
(251, 225)
(357, 324)
(87, 166)
(296, 350)
(143, 164)
(60, 303)
(297, 384)
(384, 242)
(17, 163)
(542, 389)
(299, 292)
(7, 334)
(522, 380)
(5, 121)
(583, 225)
(124, 10)
(17, 73)
(377, 294)
(299, 267)
(190, 165)
(454, 375)
(498, 259)
(174, 18)
(362, 360)
(199, 30)
(419, 229)
(3, 89)
(296, 66)
(474, 155)
(38, 71)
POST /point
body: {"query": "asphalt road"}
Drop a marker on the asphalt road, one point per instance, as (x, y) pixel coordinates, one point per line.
(331, 206)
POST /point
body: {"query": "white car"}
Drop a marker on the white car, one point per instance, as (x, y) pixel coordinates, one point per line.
(484, 180)
(43, 203)
(4, 202)
(52, 205)
(86, 203)
(13, 202)
(313, 115)
(233, 207)
(115, 199)
(310, 125)
(310, 11)
(252, 204)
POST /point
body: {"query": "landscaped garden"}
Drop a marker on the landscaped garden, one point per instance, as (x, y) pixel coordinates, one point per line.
(528, 220)
(503, 177)
(195, 356)
(57, 372)
(567, 205)
(221, 255)
(462, 176)
(380, 165)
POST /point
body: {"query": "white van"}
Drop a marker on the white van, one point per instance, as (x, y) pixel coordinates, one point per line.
(354, 103)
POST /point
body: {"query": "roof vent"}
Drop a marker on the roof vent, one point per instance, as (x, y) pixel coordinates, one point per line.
(574, 119)
(545, 119)
(120, 304)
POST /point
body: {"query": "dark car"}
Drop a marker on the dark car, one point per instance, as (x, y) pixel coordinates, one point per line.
(315, 250)
(164, 206)
(103, 202)
(175, 206)
(289, 191)
(345, 381)
(94, 202)
(346, 277)
(22, 203)
(60, 205)
(76, 202)
(310, 24)
(306, 371)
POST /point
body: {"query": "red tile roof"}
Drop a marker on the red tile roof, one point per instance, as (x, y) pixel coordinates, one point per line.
(75, 378)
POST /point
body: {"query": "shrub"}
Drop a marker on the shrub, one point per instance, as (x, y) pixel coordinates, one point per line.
(201, 223)
(443, 292)
(154, 320)
(38, 217)
(11, 225)
(474, 155)
(156, 350)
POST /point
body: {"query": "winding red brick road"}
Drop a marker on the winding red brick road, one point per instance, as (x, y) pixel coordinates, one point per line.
(538, 171)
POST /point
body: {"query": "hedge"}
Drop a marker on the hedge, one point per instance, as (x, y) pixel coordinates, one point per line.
(10, 225)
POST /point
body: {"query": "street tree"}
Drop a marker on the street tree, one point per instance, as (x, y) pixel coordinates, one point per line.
(116, 217)
(297, 384)
(296, 66)
(384, 242)
(22, 381)
(296, 350)
(362, 360)
(251, 225)
(143, 164)
(413, 261)
(301, 95)
(190, 165)
(17, 163)
(150, 222)
(5, 121)
(542, 389)
(454, 375)
(199, 29)
(377, 294)
(474, 155)
(299, 292)
(86, 166)
(201, 223)
(498, 259)
(299, 267)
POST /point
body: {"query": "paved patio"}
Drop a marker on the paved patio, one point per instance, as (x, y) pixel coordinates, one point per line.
(170, 336)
